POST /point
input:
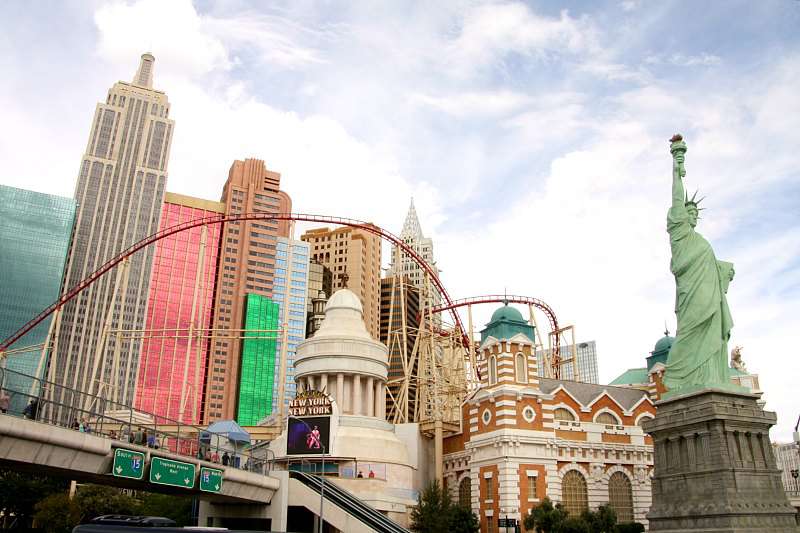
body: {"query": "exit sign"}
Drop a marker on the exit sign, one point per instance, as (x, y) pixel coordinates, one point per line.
(210, 479)
(128, 463)
(173, 473)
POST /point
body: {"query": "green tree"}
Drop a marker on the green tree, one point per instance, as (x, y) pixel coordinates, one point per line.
(178, 508)
(604, 520)
(97, 500)
(432, 513)
(630, 527)
(20, 491)
(463, 520)
(57, 513)
(545, 517)
(574, 525)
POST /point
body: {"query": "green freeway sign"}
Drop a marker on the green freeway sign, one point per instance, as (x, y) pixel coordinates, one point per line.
(210, 479)
(169, 472)
(128, 463)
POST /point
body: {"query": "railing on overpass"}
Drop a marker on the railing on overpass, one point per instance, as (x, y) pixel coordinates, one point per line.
(47, 402)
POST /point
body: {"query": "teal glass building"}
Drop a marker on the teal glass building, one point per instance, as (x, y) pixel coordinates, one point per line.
(35, 232)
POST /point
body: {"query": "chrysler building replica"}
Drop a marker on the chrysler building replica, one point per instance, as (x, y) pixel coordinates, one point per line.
(404, 265)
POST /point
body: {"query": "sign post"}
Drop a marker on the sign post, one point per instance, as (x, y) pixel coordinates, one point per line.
(210, 479)
(173, 473)
(128, 463)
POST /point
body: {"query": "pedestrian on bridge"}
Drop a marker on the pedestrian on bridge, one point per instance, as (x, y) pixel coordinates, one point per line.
(4, 401)
(31, 410)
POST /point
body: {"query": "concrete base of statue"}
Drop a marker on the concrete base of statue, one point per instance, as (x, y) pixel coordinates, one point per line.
(714, 467)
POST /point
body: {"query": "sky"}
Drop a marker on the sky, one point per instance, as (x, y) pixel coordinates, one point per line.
(531, 136)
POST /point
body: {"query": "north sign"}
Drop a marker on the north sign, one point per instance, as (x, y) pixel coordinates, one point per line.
(210, 479)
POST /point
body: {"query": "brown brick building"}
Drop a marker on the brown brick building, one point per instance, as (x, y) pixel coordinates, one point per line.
(353, 255)
(246, 265)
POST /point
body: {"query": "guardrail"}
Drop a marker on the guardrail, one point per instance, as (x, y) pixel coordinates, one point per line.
(47, 402)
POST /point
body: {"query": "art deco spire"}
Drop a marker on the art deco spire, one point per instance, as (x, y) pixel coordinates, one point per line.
(144, 74)
(411, 227)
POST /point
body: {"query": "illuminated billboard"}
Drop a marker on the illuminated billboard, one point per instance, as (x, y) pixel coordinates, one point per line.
(308, 436)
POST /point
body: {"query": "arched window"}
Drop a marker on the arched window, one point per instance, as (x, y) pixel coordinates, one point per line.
(606, 418)
(573, 493)
(522, 369)
(563, 414)
(620, 496)
(492, 370)
(642, 419)
(465, 492)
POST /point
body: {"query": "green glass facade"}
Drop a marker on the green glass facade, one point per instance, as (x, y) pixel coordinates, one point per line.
(35, 232)
(257, 377)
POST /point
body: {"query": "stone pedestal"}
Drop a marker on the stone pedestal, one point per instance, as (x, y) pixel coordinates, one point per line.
(714, 467)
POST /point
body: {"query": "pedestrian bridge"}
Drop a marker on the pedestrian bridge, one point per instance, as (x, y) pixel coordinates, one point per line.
(29, 445)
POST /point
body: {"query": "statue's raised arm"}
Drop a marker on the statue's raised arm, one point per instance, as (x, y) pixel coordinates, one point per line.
(678, 150)
(699, 355)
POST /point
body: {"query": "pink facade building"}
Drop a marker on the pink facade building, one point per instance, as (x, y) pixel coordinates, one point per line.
(175, 348)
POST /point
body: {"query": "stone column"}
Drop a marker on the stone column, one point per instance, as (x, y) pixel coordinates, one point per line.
(378, 400)
(370, 407)
(310, 380)
(323, 382)
(340, 391)
(381, 400)
(357, 395)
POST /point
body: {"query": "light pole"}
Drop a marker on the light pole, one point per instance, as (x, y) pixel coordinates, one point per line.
(322, 476)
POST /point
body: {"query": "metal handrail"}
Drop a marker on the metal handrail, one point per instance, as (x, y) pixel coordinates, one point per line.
(71, 411)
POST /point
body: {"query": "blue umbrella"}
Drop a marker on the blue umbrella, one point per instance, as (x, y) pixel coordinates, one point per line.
(230, 429)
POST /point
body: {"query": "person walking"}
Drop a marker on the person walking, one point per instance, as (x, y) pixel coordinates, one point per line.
(31, 409)
(226, 459)
(5, 399)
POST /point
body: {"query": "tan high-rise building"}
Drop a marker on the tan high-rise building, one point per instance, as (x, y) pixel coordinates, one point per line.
(120, 191)
(247, 266)
(354, 257)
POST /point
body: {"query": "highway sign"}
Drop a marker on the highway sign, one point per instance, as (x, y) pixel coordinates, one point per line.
(210, 479)
(128, 463)
(170, 472)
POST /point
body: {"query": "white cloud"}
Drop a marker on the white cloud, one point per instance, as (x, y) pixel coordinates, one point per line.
(490, 103)
(490, 31)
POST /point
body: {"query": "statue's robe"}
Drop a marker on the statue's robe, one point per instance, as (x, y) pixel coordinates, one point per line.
(699, 354)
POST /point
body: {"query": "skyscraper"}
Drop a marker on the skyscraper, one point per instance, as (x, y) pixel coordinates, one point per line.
(246, 266)
(175, 349)
(399, 328)
(354, 257)
(290, 292)
(320, 282)
(586, 361)
(120, 190)
(35, 232)
(402, 264)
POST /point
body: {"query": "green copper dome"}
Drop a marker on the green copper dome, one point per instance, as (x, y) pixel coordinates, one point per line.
(660, 350)
(664, 344)
(507, 313)
(505, 323)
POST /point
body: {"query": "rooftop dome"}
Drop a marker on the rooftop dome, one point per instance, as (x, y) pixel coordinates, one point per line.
(344, 317)
(507, 313)
(344, 298)
(664, 343)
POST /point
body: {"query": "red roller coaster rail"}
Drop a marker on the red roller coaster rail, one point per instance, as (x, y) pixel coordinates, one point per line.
(208, 221)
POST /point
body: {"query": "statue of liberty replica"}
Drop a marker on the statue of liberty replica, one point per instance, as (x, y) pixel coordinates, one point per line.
(714, 467)
(699, 355)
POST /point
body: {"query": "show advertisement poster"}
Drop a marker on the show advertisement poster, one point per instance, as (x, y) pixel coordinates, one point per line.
(308, 436)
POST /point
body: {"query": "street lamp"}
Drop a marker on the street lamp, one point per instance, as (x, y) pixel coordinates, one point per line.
(322, 476)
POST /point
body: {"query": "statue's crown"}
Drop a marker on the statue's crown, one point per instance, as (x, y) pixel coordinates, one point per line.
(693, 201)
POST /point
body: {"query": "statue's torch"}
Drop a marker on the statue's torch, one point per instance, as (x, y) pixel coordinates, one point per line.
(678, 150)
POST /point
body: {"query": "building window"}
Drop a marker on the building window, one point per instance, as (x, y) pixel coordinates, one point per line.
(465, 492)
(606, 418)
(620, 496)
(528, 414)
(531, 488)
(563, 414)
(643, 419)
(486, 416)
(489, 524)
(573, 493)
(522, 369)
(489, 483)
(492, 370)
